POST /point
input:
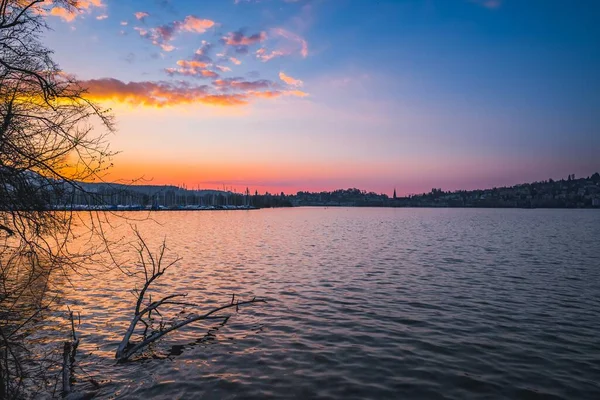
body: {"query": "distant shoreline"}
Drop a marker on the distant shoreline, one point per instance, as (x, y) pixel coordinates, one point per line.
(319, 206)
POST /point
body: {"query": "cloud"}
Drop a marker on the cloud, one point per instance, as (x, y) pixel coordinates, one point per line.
(193, 68)
(144, 93)
(242, 85)
(239, 39)
(491, 4)
(192, 64)
(289, 80)
(235, 60)
(87, 4)
(67, 14)
(193, 72)
(204, 49)
(124, 23)
(194, 24)
(289, 43)
(297, 93)
(223, 68)
(63, 13)
(301, 44)
(162, 35)
(263, 54)
(202, 53)
(158, 36)
(160, 94)
(101, 17)
(140, 15)
(208, 74)
(270, 94)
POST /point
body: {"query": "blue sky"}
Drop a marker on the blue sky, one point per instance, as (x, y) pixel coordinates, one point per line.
(374, 94)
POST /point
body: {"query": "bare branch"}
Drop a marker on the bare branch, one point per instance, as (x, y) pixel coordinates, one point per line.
(126, 348)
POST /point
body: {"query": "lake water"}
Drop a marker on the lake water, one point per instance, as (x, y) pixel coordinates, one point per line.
(363, 303)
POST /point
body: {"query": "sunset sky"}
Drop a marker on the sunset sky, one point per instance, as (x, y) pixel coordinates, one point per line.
(285, 95)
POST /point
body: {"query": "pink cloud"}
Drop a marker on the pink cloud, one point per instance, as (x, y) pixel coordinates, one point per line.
(263, 55)
(223, 68)
(140, 15)
(194, 24)
(289, 80)
(192, 68)
(239, 39)
(301, 43)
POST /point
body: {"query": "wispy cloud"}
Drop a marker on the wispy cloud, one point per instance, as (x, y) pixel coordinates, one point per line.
(264, 55)
(223, 68)
(101, 17)
(202, 53)
(162, 35)
(286, 43)
(239, 39)
(236, 83)
(235, 60)
(192, 68)
(289, 80)
(300, 42)
(124, 23)
(141, 15)
(491, 4)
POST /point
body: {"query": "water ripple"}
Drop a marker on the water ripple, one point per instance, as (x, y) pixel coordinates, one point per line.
(367, 303)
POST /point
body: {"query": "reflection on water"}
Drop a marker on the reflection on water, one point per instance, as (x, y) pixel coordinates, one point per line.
(363, 303)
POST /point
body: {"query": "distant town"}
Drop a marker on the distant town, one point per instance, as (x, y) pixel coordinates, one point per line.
(570, 192)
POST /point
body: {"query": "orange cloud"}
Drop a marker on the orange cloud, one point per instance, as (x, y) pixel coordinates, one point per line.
(209, 74)
(86, 4)
(297, 93)
(63, 13)
(225, 100)
(160, 94)
(192, 68)
(289, 80)
(67, 14)
(142, 93)
(191, 64)
(235, 60)
(194, 24)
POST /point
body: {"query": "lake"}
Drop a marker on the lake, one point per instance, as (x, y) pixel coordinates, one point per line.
(362, 303)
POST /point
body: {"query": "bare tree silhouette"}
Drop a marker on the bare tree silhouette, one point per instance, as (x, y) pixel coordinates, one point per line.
(51, 138)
